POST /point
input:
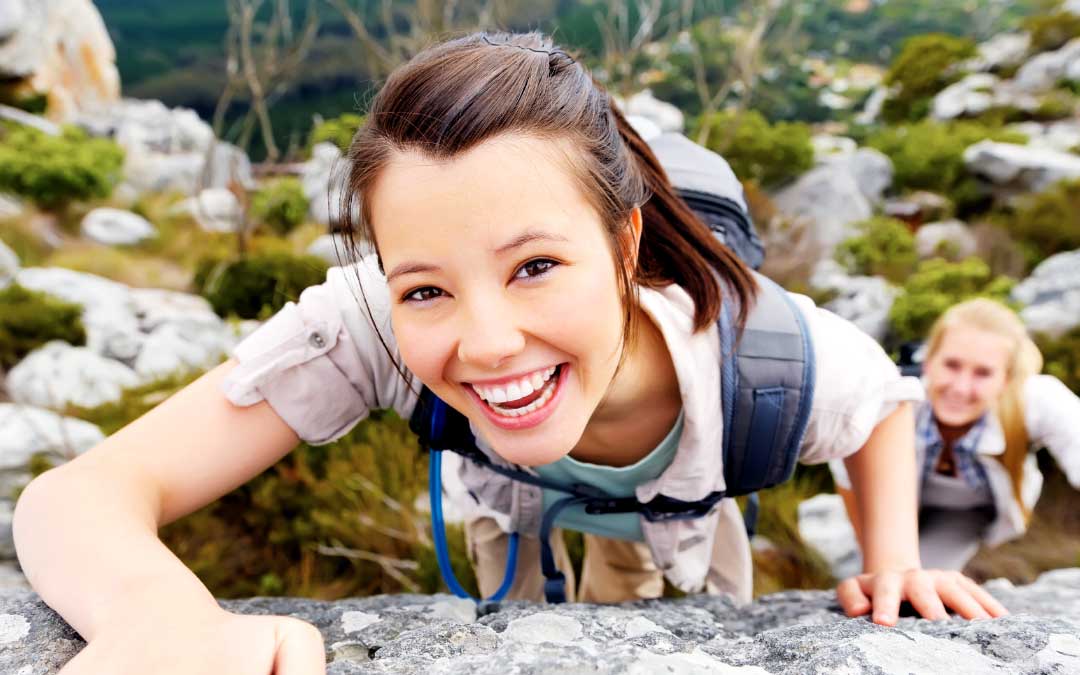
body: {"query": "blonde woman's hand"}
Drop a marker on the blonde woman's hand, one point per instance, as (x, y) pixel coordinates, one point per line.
(928, 591)
(217, 642)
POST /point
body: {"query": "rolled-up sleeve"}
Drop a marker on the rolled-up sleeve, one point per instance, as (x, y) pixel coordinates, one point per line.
(1052, 416)
(320, 362)
(856, 386)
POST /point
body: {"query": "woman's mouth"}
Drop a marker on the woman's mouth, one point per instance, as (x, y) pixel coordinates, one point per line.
(524, 402)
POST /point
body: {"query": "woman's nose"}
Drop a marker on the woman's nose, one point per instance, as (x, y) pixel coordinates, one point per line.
(489, 336)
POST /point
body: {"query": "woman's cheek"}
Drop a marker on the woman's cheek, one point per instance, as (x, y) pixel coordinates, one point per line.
(419, 347)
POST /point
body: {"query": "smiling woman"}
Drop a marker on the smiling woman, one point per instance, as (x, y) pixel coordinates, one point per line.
(543, 280)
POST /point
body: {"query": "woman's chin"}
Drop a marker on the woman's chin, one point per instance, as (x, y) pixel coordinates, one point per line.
(525, 455)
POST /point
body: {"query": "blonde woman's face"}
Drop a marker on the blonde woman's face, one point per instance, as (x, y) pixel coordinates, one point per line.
(504, 298)
(966, 374)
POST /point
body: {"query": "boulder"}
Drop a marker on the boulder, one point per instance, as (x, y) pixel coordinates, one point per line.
(831, 199)
(824, 526)
(59, 49)
(9, 265)
(661, 113)
(977, 93)
(1051, 295)
(27, 431)
(214, 209)
(865, 301)
(181, 348)
(1004, 50)
(1044, 71)
(1018, 168)
(872, 108)
(10, 207)
(1060, 135)
(918, 207)
(57, 375)
(792, 632)
(827, 146)
(322, 179)
(116, 227)
(950, 239)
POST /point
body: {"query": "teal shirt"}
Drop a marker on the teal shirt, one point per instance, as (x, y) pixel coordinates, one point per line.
(616, 481)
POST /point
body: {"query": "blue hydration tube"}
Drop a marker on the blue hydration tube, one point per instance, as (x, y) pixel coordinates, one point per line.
(438, 534)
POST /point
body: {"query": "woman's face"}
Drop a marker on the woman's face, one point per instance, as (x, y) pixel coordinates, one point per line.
(503, 290)
(966, 374)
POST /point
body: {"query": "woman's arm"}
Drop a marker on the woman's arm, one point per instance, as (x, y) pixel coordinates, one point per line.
(1052, 416)
(883, 484)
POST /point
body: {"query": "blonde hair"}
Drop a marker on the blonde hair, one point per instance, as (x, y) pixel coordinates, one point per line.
(1025, 360)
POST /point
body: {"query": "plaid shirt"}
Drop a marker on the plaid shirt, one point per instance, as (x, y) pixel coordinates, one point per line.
(968, 466)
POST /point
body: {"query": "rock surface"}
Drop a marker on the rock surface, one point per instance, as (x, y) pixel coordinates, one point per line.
(951, 239)
(27, 431)
(9, 265)
(864, 301)
(1044, 71)
(1017, 168)
(1051, 295)
(794, 633)
(116, 227)
(59, 49)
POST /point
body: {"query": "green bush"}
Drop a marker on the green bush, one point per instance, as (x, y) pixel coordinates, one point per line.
(53, 171)
(930, 156)
(281, 205)
(767, 154)
(922, 69)
(1051, 31)
(1047, 222)
(258, 285)
(29, 319)
(937, 285)
(1062, 357)
(884, 247)
(339, 130)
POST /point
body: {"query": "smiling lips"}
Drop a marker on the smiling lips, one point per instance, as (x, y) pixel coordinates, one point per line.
(521, 396)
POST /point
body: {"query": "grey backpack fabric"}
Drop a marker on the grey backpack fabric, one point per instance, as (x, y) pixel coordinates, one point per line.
(707, 184)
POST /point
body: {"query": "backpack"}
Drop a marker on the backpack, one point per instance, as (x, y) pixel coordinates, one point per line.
(767, 387)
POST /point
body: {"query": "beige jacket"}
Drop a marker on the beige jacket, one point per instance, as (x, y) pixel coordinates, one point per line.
(321, 366)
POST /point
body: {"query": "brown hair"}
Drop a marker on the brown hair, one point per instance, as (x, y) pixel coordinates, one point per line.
(455, 95)
(1024, 361)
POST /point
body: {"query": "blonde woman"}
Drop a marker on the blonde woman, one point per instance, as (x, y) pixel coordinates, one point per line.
(986, 408)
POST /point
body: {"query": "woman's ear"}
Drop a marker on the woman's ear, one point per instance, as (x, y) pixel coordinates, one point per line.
(631, 236)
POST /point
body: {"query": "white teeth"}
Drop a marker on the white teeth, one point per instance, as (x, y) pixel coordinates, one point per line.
(549, 390)
(514, 390)
(536, 382)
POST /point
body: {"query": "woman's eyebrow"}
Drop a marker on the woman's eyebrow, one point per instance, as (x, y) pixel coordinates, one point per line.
(529, 236)
(410, 268)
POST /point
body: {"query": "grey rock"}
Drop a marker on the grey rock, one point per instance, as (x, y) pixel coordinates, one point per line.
(181, 348)
(322, 180)
(1051, 295)
(1001, 51)
(794, 633)
(9, 265)
(918, 207)
(830, 197)
(1043, 71)
(865, 301)
(872, 109)
(1018, 168)
(1059, 135)
(57, 375)
(11, 577)
(661, 113)
(26, 431)
(977, 93)
(29, 120)
(951, 239)
(116, 227)
(214, 209)
(824, 525)
(10, 207)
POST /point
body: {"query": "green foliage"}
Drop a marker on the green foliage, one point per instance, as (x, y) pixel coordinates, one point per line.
(1047, 222)
(339, 130)
(280, 205)
(53, 171)
(884, 247)
(923, 68)
(1062, 357)
(930, 156)
(258, 285)
(1051, 31)
(937, 285)
(29, 319)
(767, 154)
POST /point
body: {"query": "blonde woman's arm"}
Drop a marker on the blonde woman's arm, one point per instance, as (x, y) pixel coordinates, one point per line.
(1052, 415)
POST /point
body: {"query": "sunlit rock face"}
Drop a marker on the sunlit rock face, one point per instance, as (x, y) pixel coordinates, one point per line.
(59, 50)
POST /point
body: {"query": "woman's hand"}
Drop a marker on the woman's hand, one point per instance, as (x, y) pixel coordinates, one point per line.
(218, 642)
(928, 591)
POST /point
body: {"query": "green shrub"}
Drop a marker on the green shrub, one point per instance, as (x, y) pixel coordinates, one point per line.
(884, 247)
(923, 67)
(29, 319)
(1062, 357)
(258, 285)
(53, 171)
(1047, 222)
(1056, 105)
(339, 130)
(280, 205)
(1051, 31)
(765, 153)
(937, 285)
(930, 156)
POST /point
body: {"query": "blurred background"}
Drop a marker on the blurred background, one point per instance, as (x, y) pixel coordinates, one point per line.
(166, 184)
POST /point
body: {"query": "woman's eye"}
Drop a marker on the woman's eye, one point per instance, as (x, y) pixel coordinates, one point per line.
(535, 268)
(423, 294)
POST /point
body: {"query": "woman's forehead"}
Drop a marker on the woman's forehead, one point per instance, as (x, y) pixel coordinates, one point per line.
(975, 345)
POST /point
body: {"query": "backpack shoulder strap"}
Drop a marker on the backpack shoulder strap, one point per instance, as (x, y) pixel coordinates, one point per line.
(767, 389)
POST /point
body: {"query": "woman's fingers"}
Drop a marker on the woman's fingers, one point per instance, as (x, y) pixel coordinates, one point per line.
(989, 603)
(886, 595)
(300, 649)
(920, 592)
(852, 598)
(955, 595)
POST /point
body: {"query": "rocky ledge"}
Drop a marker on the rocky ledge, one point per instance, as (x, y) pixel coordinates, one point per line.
(792, 632)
